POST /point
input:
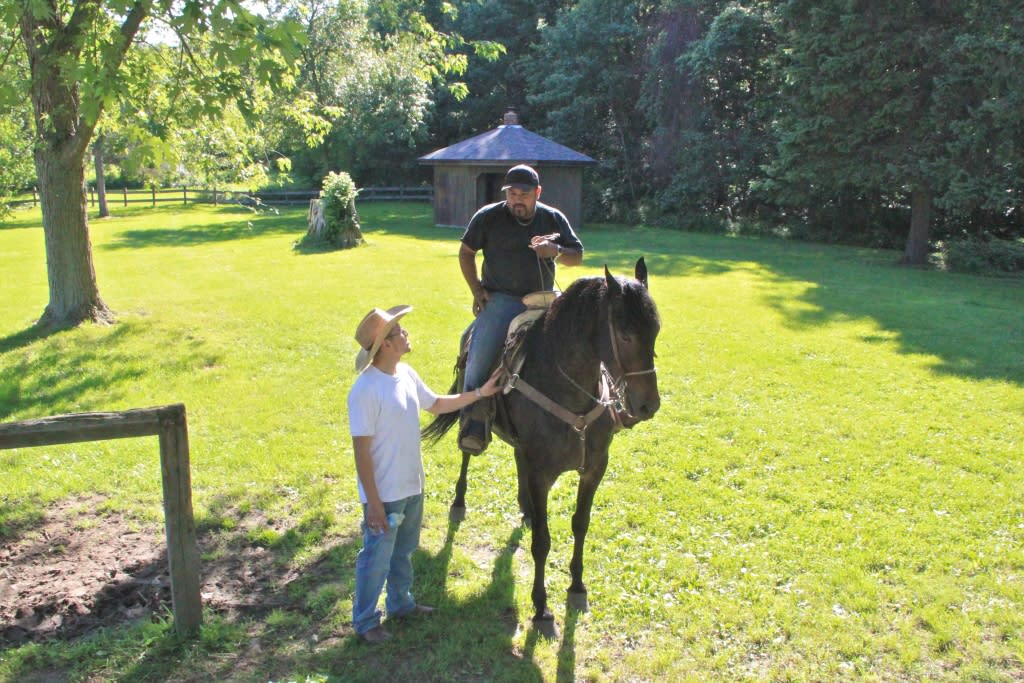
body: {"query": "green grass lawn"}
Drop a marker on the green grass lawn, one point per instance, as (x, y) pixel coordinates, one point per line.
(832, 490)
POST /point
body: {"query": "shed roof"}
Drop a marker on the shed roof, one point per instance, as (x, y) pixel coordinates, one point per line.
(507, 143)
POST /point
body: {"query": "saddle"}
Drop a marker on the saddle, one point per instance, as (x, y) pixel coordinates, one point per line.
(513, 355)
(511, 359)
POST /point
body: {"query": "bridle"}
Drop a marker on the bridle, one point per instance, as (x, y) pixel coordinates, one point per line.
(611, 395)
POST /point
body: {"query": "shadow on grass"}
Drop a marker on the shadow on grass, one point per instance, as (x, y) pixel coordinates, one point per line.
(69, 372)
(57, 374)
(273, 609)
(238, 225)
(973, 326)
(25, 337)
(458, 642)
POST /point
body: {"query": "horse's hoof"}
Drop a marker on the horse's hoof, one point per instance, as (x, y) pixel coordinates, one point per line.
(545, 625)
(578, 601)
(456, 514)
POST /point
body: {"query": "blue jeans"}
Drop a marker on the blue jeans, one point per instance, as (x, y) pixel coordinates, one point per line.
(387, 557)
(489, 332)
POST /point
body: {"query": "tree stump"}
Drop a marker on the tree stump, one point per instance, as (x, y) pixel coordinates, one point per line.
(350, 235)
(332, 219)
(315, 220)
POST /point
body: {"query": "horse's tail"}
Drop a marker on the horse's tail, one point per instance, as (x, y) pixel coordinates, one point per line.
(443, 422)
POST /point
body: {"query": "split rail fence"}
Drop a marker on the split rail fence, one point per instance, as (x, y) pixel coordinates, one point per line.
(169, 424)
(195, 195)
(185, 195)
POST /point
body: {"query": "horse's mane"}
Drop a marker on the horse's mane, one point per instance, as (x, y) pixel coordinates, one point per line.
(575, 314)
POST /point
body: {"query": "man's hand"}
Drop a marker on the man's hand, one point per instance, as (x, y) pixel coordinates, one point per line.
(376, 518)
(480, 298)
(545, 245)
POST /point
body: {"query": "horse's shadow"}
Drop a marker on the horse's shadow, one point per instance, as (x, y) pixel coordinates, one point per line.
(492, 616)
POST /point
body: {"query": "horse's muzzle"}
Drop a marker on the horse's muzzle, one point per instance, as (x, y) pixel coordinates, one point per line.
(640, 406)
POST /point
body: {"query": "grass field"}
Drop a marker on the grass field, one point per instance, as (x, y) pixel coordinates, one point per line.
(832, 490)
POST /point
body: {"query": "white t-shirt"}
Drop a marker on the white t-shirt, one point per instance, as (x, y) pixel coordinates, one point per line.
(386, 407)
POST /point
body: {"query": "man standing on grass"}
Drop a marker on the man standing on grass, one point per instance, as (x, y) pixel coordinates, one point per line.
(383, 412)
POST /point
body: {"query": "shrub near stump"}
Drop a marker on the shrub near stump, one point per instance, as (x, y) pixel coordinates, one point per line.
(332, 218)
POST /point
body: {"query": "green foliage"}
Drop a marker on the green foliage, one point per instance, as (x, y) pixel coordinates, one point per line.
(338, 198)
(710, 137)
(589, 75)
(898, 99)
(993, 256)
(16, 169)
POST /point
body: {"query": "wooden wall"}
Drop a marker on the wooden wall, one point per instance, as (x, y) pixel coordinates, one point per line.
(459, 190)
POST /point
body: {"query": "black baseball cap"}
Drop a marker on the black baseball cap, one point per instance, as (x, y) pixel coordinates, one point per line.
(521, 177)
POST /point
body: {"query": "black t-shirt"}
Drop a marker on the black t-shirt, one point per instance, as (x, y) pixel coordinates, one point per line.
(510, 266)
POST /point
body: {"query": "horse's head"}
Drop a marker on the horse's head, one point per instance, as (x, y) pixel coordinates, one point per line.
(633, 326)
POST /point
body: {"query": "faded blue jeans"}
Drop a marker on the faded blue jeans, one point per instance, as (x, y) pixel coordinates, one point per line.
(489, 332)
(387, 557)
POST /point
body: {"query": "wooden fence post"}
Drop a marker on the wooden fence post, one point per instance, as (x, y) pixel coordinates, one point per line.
(182, 549)
(124, 193)
(167, 422)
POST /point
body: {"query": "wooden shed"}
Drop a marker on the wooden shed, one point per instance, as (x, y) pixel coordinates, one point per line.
(469, 174)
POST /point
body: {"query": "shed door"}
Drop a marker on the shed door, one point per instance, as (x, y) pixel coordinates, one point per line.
(488, 188)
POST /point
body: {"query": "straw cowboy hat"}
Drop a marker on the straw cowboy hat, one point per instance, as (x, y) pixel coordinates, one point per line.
(373, 330)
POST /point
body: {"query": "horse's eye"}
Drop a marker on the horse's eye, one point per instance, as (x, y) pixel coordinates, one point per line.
(625, 337)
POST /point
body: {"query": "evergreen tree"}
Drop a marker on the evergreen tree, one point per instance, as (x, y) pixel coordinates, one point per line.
(890, 102)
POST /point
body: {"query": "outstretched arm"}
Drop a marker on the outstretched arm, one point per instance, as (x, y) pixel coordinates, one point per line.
(446, 404)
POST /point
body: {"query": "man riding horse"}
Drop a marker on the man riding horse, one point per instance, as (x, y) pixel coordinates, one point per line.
(521, 239)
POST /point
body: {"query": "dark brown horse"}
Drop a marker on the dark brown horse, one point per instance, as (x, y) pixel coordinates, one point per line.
(588, 371)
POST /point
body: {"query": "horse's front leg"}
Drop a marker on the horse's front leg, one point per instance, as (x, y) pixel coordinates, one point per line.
(523, 486)
(539, 548)
(589, 481)
(457, 512)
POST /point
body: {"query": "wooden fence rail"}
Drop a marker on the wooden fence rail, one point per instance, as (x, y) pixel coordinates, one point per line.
(194, 195)
(168, 423)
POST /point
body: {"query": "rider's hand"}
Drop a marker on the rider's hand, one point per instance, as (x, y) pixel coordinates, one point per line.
(545, 245)
(480, 298)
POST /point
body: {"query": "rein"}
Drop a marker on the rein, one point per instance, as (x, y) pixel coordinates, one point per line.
(610, 397)
(579, 423)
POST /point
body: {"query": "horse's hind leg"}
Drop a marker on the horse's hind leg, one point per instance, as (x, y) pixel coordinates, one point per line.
(589, 482)
(457, 512)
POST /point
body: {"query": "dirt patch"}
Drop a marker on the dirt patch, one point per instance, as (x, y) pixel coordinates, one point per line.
(80, 570)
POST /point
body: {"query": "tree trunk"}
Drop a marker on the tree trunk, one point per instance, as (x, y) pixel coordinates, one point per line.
(351, 235)
(53, 44)
(916, 252)
(74, 294)
(101, 179)
(315, 220)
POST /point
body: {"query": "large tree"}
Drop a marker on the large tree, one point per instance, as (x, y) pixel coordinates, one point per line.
(710, 96)
(589, 70)
(909, 102)
(75, 53)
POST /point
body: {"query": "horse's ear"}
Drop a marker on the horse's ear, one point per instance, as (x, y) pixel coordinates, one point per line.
(613, 285)
(641, 272)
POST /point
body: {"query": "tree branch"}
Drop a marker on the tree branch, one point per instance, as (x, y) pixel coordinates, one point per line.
(129, 28)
